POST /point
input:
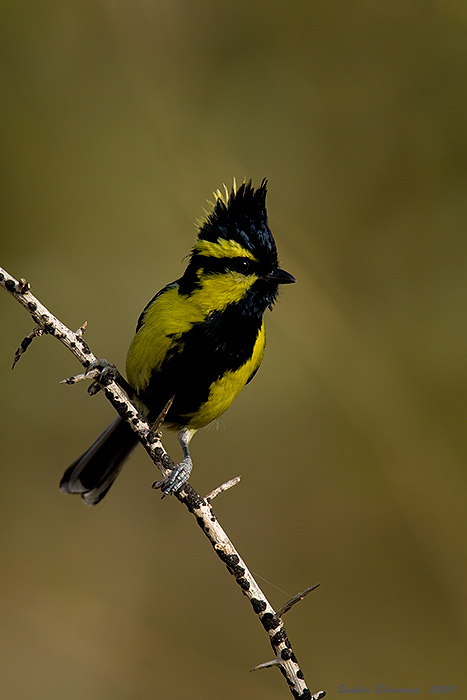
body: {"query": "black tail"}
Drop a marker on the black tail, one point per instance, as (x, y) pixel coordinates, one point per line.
(92, 474)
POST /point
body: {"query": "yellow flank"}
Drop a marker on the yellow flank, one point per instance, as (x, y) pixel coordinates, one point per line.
(168, 314)
(171, 314)
(225, 390)
(223, 249)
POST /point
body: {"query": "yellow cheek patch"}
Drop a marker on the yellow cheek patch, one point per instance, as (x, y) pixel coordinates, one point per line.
(218, 290)
(222, 249)
(225, 390)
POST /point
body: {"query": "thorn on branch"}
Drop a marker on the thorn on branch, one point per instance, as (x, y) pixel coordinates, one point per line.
(296, 599)
(161, 417)
(26, 342)
(224, 487)
(274, 662)
(267, 664)
(156, 432)
(81, 330)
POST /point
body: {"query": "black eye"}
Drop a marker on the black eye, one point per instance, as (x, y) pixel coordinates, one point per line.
(242, 265)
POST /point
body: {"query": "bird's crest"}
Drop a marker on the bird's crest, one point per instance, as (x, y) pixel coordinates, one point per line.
(237, 224)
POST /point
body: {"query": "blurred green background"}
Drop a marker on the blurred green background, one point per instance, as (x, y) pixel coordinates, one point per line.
(118, 120)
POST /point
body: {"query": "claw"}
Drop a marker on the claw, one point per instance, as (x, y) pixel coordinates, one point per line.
(178, 477)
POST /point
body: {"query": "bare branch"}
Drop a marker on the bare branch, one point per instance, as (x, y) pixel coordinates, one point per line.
(199, 507)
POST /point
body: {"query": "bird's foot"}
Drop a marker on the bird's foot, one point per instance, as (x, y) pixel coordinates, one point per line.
(107, 372)
(178, 477)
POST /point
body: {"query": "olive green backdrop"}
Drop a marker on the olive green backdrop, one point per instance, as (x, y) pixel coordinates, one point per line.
(118, 120)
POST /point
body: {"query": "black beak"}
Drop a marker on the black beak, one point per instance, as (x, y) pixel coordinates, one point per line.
(280, 276)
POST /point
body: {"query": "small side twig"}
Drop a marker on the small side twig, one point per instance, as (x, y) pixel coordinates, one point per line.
(76, 378)
(25, 343)
(266, 664)
(223, 487)
(296, 599)
(200, 508)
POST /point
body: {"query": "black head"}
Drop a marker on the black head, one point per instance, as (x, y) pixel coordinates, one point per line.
(235, 237)
(241, 217)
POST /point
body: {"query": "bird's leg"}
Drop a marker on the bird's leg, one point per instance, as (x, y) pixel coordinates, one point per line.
(182, 471)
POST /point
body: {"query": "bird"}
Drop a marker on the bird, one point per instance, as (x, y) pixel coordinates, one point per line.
(199, 340)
